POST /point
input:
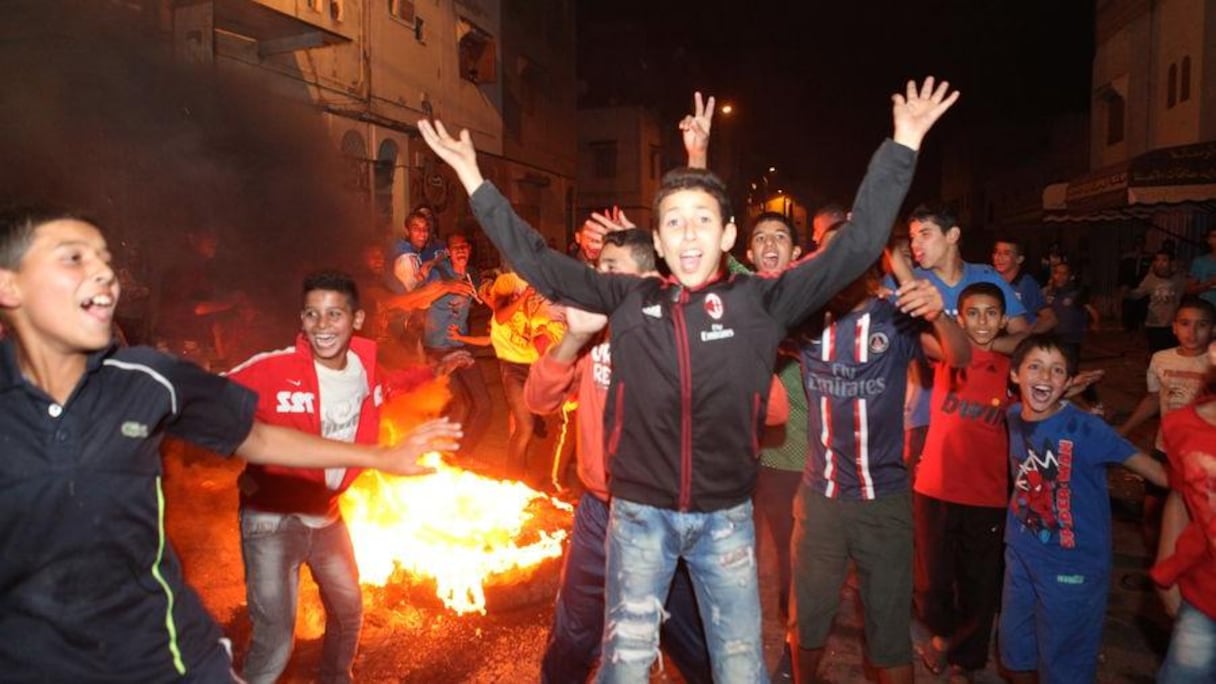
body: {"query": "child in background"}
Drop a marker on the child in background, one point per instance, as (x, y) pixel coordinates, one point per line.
(962, 488)
(1057, 533)
(1176, 375)
(1187, 561)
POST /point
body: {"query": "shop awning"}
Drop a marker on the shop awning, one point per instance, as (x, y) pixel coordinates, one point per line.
(1181, 177)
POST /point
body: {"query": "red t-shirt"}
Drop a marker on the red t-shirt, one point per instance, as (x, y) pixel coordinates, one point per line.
(1190, 442)
(966, 454)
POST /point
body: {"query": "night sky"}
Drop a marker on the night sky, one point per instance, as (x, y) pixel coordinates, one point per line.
(811, 79)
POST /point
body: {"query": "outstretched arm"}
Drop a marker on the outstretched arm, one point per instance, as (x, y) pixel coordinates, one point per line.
(1147, 467)
(695, 130)
(553, 274)
(275, 445)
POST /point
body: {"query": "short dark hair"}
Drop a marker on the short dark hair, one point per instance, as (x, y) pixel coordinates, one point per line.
(639, 242)
(983, 289)
(423, 213)
(332, 281)
(830, 209)
(688, 178)
(943, 215)
(831, 231)
(1046, 342)
(1199, 304)
(18, 225)
(779, 218)
(1010, 240)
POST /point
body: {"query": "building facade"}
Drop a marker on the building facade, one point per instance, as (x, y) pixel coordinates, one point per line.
(503, 69)
(620, 162)
(1152, 137)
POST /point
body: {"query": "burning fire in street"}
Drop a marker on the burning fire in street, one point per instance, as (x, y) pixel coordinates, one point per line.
(454, 527)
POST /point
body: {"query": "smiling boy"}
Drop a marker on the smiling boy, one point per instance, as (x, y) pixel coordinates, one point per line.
(1057, 531)
(962, 490)
(327, 384)
(694, 356)
(91, 587)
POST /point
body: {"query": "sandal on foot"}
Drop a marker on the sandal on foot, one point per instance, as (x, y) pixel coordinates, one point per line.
(934, 660)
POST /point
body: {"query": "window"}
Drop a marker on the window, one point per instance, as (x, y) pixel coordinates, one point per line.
(1171, 87)
(337, 10)
(603, 159)
(477, 54)
(354, 156)
(402, 10)
(1115, 107)
(1184, 84)
(384, 175)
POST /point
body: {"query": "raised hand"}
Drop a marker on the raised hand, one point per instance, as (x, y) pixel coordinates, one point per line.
(916, 111)
(921, 299)
(462, 288)
(459, 153)
(695, 129)
(434, 435)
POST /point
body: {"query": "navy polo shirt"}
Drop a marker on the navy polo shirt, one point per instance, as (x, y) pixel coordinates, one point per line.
(89, 587)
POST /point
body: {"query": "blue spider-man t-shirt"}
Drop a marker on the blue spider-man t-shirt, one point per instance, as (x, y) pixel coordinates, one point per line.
(1060, 507)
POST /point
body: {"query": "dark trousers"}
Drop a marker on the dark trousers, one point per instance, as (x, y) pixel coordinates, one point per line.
(472, 406)
(773, 513)
(960, 547)
(578, 618)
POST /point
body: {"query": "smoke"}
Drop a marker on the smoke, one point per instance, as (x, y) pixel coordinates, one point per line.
(97, 116)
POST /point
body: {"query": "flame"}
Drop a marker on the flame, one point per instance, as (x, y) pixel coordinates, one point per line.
(454, 527)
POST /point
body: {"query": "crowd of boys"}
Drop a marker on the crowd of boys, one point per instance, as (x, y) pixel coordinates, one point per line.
(673, 454)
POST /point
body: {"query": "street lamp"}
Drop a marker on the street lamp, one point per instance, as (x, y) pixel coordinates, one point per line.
(727, 109)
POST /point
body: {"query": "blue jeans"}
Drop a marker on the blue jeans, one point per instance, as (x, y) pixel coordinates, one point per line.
(273, 553)
(578, 617)
(644, 544)
(1192, 654)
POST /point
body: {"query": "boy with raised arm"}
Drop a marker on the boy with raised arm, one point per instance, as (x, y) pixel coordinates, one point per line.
(694, 359)
(89, 585)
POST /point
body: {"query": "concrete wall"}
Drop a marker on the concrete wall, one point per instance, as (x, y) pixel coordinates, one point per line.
(635, 130)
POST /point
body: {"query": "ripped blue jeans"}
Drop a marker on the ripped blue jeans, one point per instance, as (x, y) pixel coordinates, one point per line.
(644, 543)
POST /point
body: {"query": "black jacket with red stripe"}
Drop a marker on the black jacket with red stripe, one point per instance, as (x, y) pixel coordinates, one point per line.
(692, 367)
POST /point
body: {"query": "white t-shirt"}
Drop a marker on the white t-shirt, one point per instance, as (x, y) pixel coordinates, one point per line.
(1177, 379)
(341, 396)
